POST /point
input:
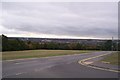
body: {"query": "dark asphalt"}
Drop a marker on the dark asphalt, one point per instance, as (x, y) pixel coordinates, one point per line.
(54, 67)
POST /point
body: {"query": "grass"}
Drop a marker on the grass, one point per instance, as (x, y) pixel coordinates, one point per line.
(38, 53)
(113, 58)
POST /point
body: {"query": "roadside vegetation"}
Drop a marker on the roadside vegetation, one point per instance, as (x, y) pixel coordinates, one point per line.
(113, 58)
(38, 53)
(18, 45)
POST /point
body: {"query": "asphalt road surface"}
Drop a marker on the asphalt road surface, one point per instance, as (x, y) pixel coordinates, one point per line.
(54, 67)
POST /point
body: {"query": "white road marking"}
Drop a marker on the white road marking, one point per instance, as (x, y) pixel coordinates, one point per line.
(88, 62)
(36, 70)
(18, 73)
(25, 62)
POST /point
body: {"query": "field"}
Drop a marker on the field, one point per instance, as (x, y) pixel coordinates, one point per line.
(113, 58)
(38, 53)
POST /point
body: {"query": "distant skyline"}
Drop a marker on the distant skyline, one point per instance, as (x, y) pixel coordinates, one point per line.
(78, 20)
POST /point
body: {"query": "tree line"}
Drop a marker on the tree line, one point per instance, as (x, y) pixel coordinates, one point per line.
(16, 45)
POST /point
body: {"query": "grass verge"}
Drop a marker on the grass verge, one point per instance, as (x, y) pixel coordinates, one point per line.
(113, 58)
(38, 53)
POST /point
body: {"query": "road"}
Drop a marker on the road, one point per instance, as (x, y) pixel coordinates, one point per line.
(54, 67)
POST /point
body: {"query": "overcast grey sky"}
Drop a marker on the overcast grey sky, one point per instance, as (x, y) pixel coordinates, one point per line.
(60, 19)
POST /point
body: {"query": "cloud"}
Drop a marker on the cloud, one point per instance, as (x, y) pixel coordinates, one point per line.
(97, 20)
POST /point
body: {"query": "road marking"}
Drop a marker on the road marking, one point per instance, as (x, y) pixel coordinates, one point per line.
(21, 59)
(25, 62)
(104, 69)
(12, 74)
(18, 73)
(82, 62)
(88, 62)
(50, 66)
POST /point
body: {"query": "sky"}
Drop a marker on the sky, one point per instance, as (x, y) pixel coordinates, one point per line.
(91, 20)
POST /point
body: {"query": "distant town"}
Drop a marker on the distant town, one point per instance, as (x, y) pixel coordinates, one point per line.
(59, 40)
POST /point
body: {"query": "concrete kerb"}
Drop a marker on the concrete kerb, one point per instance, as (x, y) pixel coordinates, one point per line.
(82, 62)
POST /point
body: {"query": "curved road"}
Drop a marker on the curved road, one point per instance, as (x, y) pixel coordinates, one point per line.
(54, 67)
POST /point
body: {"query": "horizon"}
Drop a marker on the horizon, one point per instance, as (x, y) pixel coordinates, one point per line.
(58, 38)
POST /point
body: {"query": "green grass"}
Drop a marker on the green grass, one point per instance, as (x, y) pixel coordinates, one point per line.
(38, 53)
(113, 58)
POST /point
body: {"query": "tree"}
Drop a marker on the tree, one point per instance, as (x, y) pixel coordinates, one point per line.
(118, 45)
(5, 45)
(107, 45)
